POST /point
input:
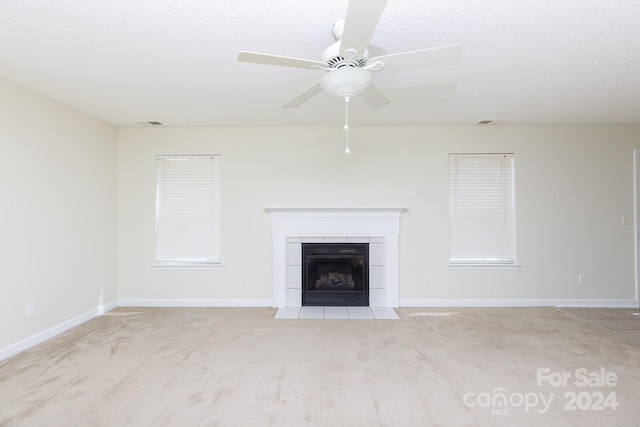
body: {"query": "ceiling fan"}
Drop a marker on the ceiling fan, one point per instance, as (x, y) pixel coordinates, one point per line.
(347, 62)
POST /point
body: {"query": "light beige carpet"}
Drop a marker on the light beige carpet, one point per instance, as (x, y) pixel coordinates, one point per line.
(241, 367)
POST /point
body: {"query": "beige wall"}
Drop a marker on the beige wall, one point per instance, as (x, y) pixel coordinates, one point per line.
(574, 184)
(58, 214)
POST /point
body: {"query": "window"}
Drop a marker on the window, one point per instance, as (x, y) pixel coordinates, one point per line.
(188, 211)
(481, 210)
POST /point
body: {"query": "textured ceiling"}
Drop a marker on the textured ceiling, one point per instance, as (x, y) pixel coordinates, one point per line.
(522, 61)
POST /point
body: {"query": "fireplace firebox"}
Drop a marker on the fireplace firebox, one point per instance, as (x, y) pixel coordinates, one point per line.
(335, 274)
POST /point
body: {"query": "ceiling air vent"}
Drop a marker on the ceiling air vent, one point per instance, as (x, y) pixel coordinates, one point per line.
(150, 123)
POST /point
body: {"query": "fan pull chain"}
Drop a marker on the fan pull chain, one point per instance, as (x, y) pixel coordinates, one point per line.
(346, 122)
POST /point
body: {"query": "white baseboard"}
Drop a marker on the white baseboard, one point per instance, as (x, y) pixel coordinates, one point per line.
(127, 302)
(49, 333)
(605, 303)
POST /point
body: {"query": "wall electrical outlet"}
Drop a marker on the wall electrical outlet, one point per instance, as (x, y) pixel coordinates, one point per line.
(582, 280)
(245, 280)
(427, 279)
(31, 309)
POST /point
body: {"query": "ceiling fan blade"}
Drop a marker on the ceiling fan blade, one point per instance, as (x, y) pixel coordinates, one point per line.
(304, 97)
(374, 98)
(362, 19)
(434, 57)
(283, 61)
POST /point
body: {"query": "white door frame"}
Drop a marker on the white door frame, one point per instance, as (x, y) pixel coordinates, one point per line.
(636, 217)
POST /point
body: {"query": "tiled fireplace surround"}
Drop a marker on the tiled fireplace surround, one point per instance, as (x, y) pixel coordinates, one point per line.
(378, 226)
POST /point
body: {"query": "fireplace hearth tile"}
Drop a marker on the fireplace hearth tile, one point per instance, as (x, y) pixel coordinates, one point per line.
(384, 313)
(309, 312)
(360, 313)
(336, 313)
(341, 313)
(288, 313)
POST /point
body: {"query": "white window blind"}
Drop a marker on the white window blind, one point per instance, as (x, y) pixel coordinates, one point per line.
(481, 209)
(188, 211)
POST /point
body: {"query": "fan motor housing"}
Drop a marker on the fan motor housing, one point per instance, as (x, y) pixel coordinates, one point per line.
(334, 59)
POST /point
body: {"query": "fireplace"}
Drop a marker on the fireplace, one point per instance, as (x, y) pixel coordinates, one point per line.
(335, 274)
(293, 226)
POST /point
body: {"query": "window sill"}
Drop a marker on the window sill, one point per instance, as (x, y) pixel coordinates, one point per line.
(177, 266)
(484, 266)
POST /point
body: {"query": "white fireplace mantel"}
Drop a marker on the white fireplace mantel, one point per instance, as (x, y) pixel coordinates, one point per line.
(334, 222)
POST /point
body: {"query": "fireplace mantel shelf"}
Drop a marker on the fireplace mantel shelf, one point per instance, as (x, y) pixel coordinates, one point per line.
(334, 209)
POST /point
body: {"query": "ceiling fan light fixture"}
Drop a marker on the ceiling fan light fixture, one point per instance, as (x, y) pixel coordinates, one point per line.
(346, 81)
